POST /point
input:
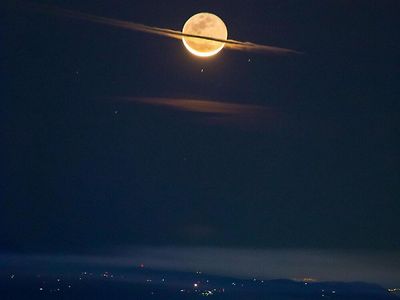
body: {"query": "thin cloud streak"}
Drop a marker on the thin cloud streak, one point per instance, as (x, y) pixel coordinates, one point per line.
(200, 106)
(212, 112)
(229, 44)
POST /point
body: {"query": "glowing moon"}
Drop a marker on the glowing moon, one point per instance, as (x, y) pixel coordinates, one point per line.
(207, 25)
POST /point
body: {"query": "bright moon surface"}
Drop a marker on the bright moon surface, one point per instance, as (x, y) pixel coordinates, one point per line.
(207, 25)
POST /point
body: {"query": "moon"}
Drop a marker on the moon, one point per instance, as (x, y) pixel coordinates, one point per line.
(207, 25)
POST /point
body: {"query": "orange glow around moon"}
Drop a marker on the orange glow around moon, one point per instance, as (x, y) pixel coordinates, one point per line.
(207, 25)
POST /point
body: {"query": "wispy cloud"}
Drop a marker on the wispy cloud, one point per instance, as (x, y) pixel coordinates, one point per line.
(200, 106)
(213, 112)
(229, 44)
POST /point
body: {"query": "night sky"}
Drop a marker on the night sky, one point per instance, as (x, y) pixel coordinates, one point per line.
(85, 165)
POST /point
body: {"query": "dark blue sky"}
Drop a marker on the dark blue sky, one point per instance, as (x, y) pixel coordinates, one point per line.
(83, 168)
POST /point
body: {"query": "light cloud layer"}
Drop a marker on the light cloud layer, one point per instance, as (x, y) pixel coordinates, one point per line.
(346, 266)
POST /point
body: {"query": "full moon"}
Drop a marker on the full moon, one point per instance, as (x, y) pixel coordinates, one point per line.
(207, 25)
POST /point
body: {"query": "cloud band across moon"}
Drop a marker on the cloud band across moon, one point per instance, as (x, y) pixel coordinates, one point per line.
(229, 44)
